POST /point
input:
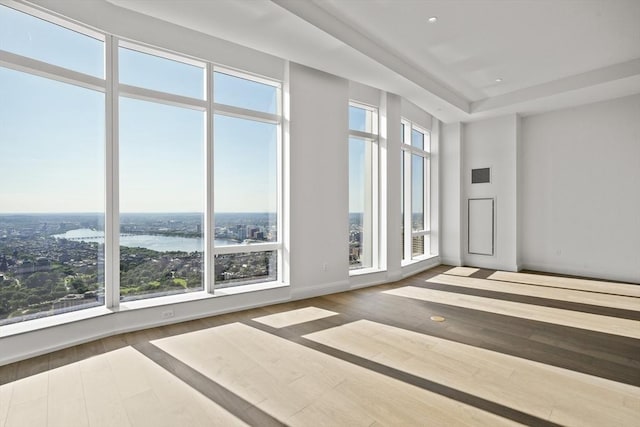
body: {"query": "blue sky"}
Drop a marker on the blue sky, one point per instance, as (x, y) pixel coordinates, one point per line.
(52, 134)
(51, 145)
(357, 160)
(357, 178)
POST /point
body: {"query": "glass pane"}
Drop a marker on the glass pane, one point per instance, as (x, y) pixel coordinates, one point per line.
(417, 246)
(35, 38)
(161, 199)
(161, 74)
(417, 139)
(52, 149)
(234, 228)
(246, 187)
(361, 119)
(360, 204)
(245, 268)
(244, 93)
(417, 192)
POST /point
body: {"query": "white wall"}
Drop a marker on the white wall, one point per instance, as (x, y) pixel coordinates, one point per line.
(492, 143)
(319, 211)
(581, 190)
(392, 155)
(450, 190)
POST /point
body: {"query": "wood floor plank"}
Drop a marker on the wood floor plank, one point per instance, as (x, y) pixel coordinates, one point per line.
(342, 393)
(31, 413)
(118, 388)
(569, 283)
(510, 381)
(609, 356)
(525, 299)
(571, 295)
(294, 317)
(462, 271)
(321, 386)
(231, 402)
(8, 373)
(6, 392)
(33, 366)
(592, 322)
(443, 390)
(62, 357)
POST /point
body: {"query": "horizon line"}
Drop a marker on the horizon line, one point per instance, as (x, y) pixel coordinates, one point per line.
(145, 213)
(131, 213)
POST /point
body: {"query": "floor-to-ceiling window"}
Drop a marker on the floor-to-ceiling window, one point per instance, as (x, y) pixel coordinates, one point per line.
(129, 172)
(52, 144)
(363, 186)
(161, 156)
(415, 191)
(246, 192)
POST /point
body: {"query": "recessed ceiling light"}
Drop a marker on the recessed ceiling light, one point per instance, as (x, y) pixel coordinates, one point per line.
(433, 19)
(498, 80)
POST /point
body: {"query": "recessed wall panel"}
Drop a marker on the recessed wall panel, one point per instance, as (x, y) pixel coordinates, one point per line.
(481, 226)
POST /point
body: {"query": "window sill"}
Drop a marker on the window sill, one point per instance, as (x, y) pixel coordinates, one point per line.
(417, 260)
(89, 313)
(51, 321)
(363, 271)
(234, 290)
(164, 300)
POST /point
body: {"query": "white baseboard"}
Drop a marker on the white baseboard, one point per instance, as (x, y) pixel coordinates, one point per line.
(420, 266)
(456, 262)
(598, 275)
(319, 289)
(494, 266)
(41, 341)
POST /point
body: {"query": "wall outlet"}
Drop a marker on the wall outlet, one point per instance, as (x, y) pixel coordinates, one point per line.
(167, 314)
(325, 266)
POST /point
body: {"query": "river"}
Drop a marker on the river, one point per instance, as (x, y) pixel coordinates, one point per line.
(154, 242)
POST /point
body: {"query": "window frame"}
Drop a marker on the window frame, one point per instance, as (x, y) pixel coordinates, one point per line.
(374, 140)
(35, 67)
(408, 150)
(153, 96)
(44, 69)
(113, 90)
(254, 115)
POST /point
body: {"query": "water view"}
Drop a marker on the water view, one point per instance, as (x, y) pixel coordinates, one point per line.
(53, 263)
(158, 243)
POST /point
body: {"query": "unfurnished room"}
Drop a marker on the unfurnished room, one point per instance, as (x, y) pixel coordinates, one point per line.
(319, 213)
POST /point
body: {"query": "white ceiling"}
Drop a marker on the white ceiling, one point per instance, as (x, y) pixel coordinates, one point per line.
(548, 53)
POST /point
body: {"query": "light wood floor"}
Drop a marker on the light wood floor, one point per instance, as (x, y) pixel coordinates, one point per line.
(523, 348)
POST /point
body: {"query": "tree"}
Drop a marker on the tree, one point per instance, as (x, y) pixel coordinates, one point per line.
(41, 280)
(79, 285)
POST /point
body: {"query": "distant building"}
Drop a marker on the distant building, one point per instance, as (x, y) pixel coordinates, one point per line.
(242, 232)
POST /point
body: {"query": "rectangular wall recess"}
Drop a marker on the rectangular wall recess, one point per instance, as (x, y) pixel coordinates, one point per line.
(481, 226)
